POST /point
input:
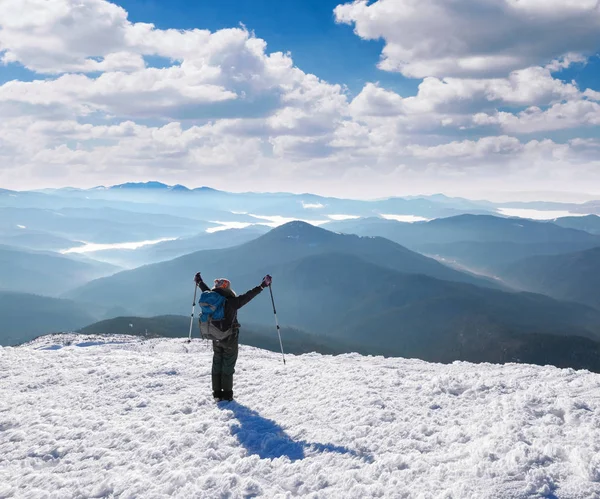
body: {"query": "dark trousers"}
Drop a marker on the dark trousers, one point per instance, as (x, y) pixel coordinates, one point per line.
(225, 354)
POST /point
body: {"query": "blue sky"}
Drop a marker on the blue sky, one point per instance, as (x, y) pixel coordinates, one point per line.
(458, 97)
(306, 28)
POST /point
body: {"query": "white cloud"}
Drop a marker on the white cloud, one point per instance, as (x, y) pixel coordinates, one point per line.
(592, 94)
(474, 149)
(376, 101)
(455, 95)
(96, 36)
(590, 143)
(65, 35)
(473, 38)
(565, 61)
(228, 111)
(558, 117)
(150, 92)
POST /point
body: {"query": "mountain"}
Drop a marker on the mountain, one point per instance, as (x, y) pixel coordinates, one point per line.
(176, 326)
(572, 276)
(489, 258)
(297, 240)
(343, 296)
(46, 273)
(104, 225)
(479, 243)
(141, 185)
(168, 250)
(37, 240)
(413, 315)
(25, 316)
(479, 228)
(589, 223)
(567, 207)
(153, 185)
(164, 284)
(137, 196)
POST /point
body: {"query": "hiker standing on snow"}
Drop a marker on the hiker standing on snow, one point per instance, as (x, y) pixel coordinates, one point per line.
(225, 352)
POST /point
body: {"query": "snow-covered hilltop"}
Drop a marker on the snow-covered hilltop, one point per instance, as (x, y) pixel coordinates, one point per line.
(85, 416)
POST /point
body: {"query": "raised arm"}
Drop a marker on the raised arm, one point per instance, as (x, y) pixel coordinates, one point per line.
(198, 280)
(239, 301)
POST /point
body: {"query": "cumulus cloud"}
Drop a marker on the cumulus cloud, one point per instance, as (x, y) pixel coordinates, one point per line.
(65, 35)
(473, 38)
(459, 95)
(72, 36)
(150, 92)
(558, 117)
(230, 112)
(483, 148)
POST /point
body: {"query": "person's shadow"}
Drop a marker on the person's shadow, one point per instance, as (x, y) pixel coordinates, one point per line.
(266, 439)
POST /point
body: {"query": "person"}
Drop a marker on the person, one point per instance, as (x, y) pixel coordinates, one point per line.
(225, 352)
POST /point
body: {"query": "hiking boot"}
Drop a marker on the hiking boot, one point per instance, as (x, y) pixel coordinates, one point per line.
(227, 395)
(218, 395)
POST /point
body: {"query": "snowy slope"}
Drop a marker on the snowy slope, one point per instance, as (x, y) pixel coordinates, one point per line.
(121, 417)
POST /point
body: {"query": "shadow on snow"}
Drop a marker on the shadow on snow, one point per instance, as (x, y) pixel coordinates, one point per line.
(266, 439)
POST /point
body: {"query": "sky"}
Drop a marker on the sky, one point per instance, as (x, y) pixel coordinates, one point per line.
(362, 99)
(120, 417)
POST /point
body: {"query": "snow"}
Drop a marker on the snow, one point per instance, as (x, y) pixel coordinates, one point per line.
(115, 416)
(92, 247)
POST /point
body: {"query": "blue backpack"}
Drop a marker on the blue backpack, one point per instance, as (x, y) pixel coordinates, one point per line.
(212, 305)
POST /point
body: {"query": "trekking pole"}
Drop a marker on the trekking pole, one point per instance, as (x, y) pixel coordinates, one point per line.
(192, 318)
(277, 323)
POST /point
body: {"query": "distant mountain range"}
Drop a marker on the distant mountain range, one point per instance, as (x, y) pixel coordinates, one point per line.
(168, 250)
(589, 223)
(477, 228)
(441, 289)
(99, 225)
(481, 243)
(176, 326)
(208, 204)
(571, 276)
(46, 273)
(542, 349)
(163, 283)
(153, 185)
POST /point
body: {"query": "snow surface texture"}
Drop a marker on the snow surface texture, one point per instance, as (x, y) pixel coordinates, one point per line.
(85, 416)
